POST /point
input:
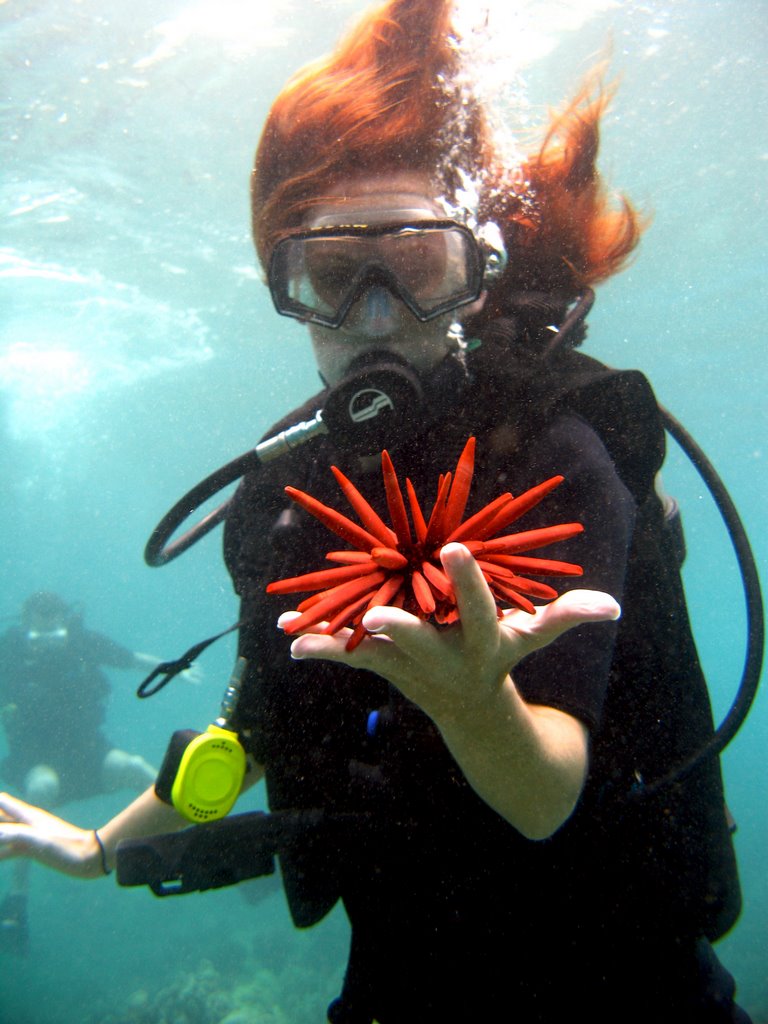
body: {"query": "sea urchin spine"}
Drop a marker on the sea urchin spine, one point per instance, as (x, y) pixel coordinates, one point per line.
(400, 565)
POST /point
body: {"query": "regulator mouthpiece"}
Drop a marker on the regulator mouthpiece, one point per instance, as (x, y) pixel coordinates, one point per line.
(379, 404)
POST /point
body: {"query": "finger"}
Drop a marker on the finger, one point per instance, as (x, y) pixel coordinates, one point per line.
(12, 840)
(15, 810)
(573, 608)
(390, 621)
(334, 648)
(477, 608)
(319, 645)
(416, 638)
(377, 654)
(288, 617)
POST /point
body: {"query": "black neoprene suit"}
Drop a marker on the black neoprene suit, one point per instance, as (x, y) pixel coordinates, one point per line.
(456, 916)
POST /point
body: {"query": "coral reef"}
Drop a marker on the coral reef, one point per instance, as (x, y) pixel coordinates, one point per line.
(202, 996)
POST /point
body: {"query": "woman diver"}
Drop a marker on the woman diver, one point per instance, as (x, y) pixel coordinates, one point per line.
(497, 862)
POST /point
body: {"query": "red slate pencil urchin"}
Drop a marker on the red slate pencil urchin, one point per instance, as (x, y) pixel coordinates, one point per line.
(400, 565)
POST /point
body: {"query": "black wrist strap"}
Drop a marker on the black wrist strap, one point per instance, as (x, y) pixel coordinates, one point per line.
(166, 670)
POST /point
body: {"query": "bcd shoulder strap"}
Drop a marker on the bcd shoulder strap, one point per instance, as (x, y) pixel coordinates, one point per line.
(622, 409)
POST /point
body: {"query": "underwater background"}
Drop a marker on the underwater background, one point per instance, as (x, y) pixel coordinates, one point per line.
(139, 351)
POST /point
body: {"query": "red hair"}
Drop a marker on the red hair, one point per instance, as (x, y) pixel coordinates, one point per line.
(390, 98)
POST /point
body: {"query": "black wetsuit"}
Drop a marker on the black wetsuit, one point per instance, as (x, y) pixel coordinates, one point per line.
(54, 696)
(455, 916)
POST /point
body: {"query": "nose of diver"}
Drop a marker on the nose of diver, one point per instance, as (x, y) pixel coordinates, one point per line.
(377, 312)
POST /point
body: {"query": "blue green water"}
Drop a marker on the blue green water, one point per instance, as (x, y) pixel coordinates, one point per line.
(139, 350)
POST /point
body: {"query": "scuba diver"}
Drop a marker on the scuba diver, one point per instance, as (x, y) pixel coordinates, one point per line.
(486, 794)
(52, 704)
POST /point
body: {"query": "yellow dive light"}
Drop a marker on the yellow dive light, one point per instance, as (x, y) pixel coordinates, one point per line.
(202, 773)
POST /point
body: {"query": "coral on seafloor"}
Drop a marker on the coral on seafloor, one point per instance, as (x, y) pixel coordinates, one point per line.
(201, 996)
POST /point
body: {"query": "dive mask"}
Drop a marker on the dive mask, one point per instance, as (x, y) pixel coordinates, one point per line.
(433, 266)
(48, 637)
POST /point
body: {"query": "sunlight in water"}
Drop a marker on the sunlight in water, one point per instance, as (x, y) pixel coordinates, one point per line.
(43, 382)
(523, 32)
(240, 27)
(43, 373)
(71, 336)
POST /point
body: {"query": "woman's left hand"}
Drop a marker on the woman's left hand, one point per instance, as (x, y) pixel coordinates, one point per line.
(29, 831)
(447, 669)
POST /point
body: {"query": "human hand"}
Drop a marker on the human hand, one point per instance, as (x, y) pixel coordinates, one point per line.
(447, 670)
(194, 674)
(28, 831)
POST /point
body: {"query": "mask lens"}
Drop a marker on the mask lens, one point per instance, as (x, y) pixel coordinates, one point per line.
(432, 267)
(316, 277)
(330, 268)
(47, 636)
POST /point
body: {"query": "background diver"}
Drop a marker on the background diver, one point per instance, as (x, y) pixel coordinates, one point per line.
(53, 696)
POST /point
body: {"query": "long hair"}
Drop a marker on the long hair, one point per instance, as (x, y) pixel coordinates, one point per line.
(392, 97)
(570, 231)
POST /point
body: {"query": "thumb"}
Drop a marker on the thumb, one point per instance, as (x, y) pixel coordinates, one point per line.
(570, 609)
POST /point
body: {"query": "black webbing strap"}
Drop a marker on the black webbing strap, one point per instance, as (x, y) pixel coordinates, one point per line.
(168, 669)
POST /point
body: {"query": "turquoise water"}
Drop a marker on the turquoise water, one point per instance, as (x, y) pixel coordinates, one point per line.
(139, 350)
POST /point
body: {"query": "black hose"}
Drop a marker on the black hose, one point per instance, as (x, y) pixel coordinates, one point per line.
(750, 679)
(157, 552)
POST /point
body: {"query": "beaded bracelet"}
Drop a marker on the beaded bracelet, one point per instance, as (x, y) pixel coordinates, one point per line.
(104, 866)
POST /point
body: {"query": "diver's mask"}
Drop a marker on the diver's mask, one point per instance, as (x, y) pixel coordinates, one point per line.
(45, 638)
(431, 265)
